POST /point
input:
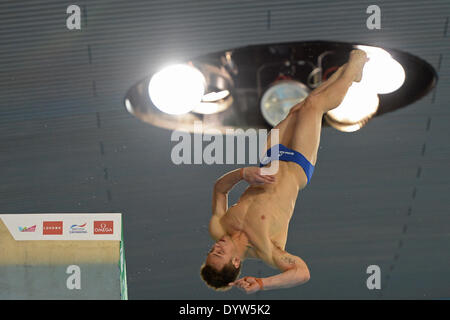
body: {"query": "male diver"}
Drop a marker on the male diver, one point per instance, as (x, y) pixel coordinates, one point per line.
(257, 225)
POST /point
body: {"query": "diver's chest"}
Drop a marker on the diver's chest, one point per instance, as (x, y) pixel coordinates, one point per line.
(259, 221)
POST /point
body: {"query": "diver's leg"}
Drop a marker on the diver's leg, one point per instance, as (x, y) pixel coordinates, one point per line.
(320, 88)
(306, 122)
(286, 125)
(331, 95)
(330, 80)
(300, 130)
(283, 125)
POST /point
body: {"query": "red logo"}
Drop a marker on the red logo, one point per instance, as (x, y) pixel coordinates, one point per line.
(103, 227)
(52, 227)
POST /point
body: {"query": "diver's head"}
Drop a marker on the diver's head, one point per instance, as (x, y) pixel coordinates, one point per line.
(222, 265)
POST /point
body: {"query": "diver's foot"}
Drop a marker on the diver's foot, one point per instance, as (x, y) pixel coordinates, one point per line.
(358, 59)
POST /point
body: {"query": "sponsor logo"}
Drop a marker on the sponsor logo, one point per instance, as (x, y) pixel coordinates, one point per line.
(103, 227)
(52, 227)
(285, 152)
(75, 228)
(27, 229)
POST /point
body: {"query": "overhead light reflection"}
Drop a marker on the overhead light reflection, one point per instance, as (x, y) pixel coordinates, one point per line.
(128, 106)
(215, 96)
(208, 108)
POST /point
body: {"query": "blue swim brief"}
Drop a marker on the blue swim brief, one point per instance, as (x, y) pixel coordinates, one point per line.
(286, 154)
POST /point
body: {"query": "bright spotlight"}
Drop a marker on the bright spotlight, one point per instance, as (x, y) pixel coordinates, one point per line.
(360, 103)
(381, 73)
(177, 89)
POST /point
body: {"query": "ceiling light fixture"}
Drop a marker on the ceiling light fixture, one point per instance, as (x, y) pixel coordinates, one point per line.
(255, 86)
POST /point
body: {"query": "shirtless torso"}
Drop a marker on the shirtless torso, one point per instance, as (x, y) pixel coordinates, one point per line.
(263, 212)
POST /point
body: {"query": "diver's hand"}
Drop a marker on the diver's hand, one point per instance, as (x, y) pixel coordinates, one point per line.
(253, 176)
(248, 284)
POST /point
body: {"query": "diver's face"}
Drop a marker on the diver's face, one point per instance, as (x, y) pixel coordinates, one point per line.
(220, 253)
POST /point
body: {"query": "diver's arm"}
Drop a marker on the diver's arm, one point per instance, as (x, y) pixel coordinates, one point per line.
(294, 271)
(220, 200)
(222, 186)
(226, 182)
(252, 175)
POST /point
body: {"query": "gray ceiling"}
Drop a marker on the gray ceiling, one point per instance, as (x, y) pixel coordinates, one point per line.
(67, 144)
